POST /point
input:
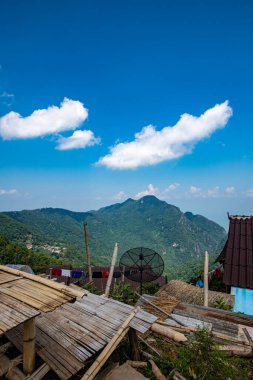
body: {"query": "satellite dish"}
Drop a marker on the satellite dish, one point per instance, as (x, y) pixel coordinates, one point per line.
(141, 265)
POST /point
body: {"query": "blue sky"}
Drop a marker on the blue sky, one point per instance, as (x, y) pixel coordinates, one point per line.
(122, 66)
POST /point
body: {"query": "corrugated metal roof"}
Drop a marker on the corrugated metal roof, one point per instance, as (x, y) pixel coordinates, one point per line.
(237, 254)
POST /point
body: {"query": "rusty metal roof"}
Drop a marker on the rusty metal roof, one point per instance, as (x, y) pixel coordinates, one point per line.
(237, 254)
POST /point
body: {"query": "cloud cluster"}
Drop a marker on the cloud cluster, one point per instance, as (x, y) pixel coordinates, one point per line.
(151, 190)
(50, 121)
(70, 115)
(177, 191)
(79, 140)
(120, 196)
(8, 192)
(195, 190)
(151, 147)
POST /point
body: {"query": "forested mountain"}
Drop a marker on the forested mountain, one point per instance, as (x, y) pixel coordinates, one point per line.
(178, 237)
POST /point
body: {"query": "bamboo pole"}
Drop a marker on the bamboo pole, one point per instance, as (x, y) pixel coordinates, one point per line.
(206, 279)
(87, 251)
(29, 346)
(109, 280)
(168, 332)
(101, 359)
(40, 372)
(51, 284)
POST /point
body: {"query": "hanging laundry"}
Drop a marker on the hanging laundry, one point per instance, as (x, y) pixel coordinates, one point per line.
(217, 273)
(66, 272)
(97, 274)
(105, 274)
(85, 274)
(76, 273)
(56, 271)
(117, 274)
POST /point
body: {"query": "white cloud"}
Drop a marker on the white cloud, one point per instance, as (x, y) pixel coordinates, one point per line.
(172, 187)
(52, 120)
(151, 147)
(6, 95)
(249, 193)
(195, 190)
(8, 192)
(230, 190)
(213, 192)
(151, 190)
(79, 140)
(120, 196)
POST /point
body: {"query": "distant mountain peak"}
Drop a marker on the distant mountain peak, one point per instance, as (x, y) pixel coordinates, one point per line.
(151, 199)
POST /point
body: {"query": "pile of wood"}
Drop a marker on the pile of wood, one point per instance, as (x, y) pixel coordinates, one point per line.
(191, 294)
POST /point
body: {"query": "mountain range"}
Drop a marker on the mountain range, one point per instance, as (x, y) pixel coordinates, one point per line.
(178, 237)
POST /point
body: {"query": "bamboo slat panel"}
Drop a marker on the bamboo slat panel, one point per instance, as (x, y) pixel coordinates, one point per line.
(74, 332)
(13, 313)
(34, 294)
(7, 277)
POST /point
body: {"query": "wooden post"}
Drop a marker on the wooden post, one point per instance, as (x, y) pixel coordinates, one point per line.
(206, 279)
(133, 340)
(109, 280)
(29, 346)
(87, 251)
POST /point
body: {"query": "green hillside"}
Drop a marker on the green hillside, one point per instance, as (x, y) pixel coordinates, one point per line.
(148, 222)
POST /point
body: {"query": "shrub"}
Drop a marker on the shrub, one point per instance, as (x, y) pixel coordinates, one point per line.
(200, 360)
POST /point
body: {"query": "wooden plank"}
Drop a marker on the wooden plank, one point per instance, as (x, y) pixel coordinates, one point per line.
(229, 316)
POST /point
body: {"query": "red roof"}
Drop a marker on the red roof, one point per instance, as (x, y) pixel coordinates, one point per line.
(237, 254)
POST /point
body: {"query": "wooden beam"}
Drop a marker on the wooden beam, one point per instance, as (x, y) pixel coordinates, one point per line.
(87, 251)
(206, 279)
(168, 332)
(108, 350)
(134, 348)
(109, 280)
(29, 346)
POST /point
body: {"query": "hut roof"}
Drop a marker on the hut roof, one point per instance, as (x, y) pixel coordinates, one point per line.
(71, 334)
(191, 294)
(68, 332)
(24, 295)
(237, 254)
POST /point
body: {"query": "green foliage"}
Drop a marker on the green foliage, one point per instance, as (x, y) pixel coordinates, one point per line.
(180, 238)
(11, 253)
(150, 288)
(123, 292)
(91, 288)
(200, 360)
(221, 304)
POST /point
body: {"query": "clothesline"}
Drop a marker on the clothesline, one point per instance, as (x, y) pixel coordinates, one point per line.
(58, 272)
